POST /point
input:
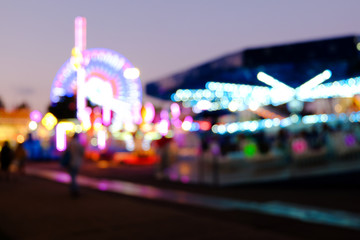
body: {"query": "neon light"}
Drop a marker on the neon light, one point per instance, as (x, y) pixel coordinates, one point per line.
(149, 112)
(60, 138)
(80, 33)
(269, 80)
(315, 81)
(106, 65)
(101, 139)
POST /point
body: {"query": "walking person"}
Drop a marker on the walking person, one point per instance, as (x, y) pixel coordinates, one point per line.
(20, 158)
(76, 151)
(6, 157)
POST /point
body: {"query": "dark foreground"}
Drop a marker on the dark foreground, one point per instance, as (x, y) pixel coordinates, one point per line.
(34, 208)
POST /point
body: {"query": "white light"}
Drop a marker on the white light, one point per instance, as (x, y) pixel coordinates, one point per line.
(203, 105)
(254, 106)
(268, 123)
(231, 128)
(221, 129)
(315, 81)
(214, 129)
(101, 139)
(324, 118)
(186, 125)
(253, 126)
(33, 125)
(269, 80)
(131, 73)
(276, 122)
(233, 106)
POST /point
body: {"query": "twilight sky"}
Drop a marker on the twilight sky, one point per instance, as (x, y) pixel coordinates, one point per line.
(160, 37)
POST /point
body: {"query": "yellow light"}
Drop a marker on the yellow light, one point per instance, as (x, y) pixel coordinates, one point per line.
(20, 138)
(49, 121)
(86, 126)
(98, 126)
(146, 127)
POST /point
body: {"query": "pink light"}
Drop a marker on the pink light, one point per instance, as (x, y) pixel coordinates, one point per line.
(60, 138)
(106, 115)
(177, 123)
(80, 33)
(299, 146)
(164, 114)
(101, 139)
(175, 110)
(80, 95)
(185, 179)
(163, 127)
(136, 112)
(150, 112)
(103, 186)
(36, 116)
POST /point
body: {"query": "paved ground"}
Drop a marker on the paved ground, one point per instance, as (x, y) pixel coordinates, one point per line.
(34, 208)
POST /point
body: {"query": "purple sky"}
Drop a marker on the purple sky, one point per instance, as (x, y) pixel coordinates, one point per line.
(160, 37)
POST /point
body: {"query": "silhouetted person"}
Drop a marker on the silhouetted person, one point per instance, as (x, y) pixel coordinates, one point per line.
(20, 158)
(76, 157)
(6, 158)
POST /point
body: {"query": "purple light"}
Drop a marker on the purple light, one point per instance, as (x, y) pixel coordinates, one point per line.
(36, 116)
(103, 186)
(350, 140)
(173, 176)
(185, 179)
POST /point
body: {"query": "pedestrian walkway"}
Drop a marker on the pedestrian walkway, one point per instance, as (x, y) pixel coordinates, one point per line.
(276, 208)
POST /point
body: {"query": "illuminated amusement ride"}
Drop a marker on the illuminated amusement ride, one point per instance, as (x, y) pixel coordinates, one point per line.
(107, 80)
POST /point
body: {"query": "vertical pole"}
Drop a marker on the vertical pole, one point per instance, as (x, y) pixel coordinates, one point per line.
(80, 46)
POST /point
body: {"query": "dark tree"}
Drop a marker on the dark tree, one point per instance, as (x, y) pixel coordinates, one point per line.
(23, 105)
(2, 106)
(65, 108)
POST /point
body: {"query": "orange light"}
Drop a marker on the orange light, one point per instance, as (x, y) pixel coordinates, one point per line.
(20, 138)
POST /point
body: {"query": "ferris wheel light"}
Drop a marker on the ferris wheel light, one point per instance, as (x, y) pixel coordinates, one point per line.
(131, 73)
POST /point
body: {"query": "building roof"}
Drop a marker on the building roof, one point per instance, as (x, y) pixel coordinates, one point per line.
(292, 64)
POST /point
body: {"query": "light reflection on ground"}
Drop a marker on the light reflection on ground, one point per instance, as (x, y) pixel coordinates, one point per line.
(302, 213)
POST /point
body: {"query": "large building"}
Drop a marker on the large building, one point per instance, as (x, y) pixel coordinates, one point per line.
(292, 64)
